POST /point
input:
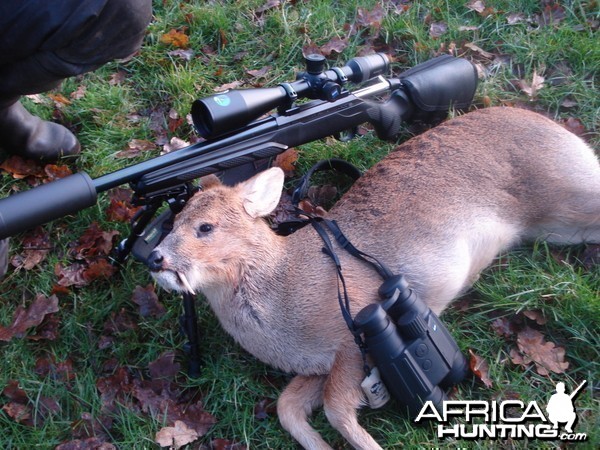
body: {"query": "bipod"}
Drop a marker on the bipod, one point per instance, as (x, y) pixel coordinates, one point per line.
(189, 326)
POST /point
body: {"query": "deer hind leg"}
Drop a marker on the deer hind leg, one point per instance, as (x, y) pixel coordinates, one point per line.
(576, 192)
(577, 221)
(342, 396)
(295, 405)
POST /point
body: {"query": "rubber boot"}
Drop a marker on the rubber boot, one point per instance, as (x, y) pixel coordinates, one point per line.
(24, 134)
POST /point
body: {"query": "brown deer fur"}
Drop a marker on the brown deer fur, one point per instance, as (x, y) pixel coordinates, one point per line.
(438, 210)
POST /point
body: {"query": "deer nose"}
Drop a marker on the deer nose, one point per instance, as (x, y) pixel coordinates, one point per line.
(155, 261)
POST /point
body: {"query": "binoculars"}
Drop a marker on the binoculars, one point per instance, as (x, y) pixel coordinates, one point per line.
(416, 356)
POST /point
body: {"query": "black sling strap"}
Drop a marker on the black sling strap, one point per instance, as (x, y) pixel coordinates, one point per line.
(321, 226)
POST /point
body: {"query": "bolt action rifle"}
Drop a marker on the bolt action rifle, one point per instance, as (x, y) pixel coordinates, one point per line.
(238, 135)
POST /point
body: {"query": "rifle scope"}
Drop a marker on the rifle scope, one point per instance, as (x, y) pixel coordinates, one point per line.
(225, 112)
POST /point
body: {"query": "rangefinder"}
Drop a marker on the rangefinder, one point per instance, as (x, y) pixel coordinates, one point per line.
(416, 356)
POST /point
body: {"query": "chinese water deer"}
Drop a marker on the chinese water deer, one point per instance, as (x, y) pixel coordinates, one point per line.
(438, 210)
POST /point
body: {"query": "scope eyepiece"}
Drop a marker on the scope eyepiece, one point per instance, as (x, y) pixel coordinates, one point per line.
(364, 68)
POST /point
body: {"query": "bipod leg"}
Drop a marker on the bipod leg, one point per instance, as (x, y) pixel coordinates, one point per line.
(189, 325)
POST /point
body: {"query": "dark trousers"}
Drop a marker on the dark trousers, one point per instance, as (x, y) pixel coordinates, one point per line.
(44, 41)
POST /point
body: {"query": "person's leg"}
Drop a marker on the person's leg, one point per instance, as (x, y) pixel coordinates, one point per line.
(44, 42)
(3, 257)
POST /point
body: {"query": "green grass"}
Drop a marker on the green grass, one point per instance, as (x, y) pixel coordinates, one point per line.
(229, 38)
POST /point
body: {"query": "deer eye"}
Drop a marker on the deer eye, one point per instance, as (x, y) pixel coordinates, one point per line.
(204, 228)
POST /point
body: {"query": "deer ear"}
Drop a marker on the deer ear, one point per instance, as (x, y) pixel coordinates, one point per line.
(209, 181)
(260, 194)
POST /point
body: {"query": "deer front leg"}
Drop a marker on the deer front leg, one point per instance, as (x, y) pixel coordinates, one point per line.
(295, 405)
(342, 396)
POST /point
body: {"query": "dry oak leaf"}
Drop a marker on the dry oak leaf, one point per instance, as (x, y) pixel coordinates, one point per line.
(575, 126)
(336, 44)
(23, 319)
(176, 436)
(259, 73)
(286, 161)
(55, 172)
(59, 99)
(536, 315)
(92, 243)
(437, 29)
(480, 368)
(135, 147)
(531, 89)
(372, 18)
(175, 38)
(476, 5)
(533, 348)
(78, 93)
(36, 246)
(147, 300)
(504, 327)
(21, 168)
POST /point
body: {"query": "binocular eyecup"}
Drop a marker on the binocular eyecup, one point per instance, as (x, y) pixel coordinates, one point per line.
(225, 112)
(416, 356)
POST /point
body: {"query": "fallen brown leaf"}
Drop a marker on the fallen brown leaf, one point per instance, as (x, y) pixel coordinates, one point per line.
(94, 242)
(71, 275)
(476, 5)
(117, 78)
(480, 368)
(437, 29)
(136, 147)
(553, 14)
(536, 315)
(286, 161)
(176, 38)
(337, 45)
(226, 444)
(57, 370)
(21, 168)
(59, 99)
(225, 87)
(265, 408)
(174, 144)
(575, 126)
(36, 246)
(546, 356)
(147, 300)
(504, 327)
(176, 436)
(23, 319)
(101, 269)
(370, 18)
(531, 89)
(54, 172)
(259, 73)
(186, 55)
(78, 93)
(164, 367)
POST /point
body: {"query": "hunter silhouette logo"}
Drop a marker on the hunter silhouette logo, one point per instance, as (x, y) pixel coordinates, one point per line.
(560, 407)
(508, 419)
